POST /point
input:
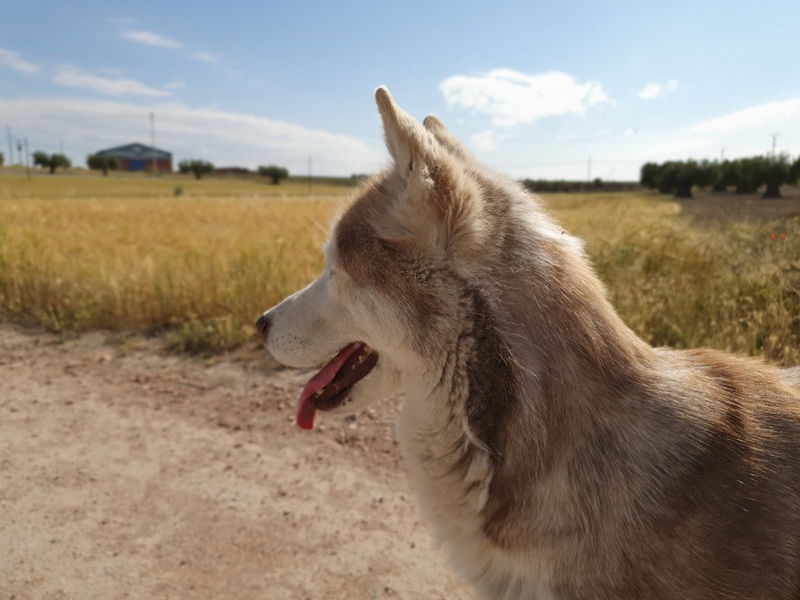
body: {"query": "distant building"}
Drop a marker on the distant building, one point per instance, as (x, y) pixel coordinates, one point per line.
(231, 171)
(138, 157)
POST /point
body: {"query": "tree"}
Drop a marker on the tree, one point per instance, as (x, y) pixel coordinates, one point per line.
(677, 176)
(723, 175)
(794, 171)
(666, 178)
(1, 159)
(274, 172)
(102, 163)
(688, 174)
(196, 166)
(774, 171)
(745, 175)
(648, 175)
(51, 161)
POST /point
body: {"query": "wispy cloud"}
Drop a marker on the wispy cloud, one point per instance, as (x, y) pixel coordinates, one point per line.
(489, 139)
(769, 113)
(512, 98)
(110, 86)
(175, 85)
(223, 137)
(12, 60)
(203, 56)
(150, 39)
(655, 90)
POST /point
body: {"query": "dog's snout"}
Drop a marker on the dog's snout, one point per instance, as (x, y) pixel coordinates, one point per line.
(262, 324)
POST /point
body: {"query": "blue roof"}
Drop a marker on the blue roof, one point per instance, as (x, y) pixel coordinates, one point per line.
(136, 151)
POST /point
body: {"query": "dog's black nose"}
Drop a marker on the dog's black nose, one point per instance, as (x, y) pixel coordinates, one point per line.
(262, 324)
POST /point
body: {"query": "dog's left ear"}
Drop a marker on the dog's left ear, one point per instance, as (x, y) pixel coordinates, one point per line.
(446, 139)
(436, 203)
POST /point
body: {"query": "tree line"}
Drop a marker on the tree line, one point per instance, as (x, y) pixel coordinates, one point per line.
(202, 167)
(745, 175)
(575, 186)
(105, 164)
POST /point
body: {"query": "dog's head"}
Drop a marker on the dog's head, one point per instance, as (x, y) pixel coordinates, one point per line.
(390, 306)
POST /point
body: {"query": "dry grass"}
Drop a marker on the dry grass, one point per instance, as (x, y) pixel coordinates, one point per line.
(723, 283)
(202, 268)
(88, 186)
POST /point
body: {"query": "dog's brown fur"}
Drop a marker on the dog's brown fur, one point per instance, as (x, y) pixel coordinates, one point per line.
(560, 455)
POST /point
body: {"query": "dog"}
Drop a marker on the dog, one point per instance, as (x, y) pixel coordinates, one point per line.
(557, 454)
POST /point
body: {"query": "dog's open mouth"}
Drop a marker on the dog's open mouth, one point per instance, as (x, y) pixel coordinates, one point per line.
(329, 388)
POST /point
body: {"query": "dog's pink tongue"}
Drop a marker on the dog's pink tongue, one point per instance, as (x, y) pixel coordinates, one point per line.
(307, 408)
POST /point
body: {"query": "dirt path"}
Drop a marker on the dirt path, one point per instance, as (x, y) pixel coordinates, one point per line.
(126, 473)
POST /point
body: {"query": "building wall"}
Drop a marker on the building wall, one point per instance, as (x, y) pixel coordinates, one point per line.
(163, 165)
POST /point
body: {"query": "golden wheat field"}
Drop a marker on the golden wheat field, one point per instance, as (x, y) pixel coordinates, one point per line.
(198, 268)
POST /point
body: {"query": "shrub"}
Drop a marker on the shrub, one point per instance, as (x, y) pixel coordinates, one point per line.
(196, 166)
(649, 175)
(274, 172)
(102, 163)
(773, 172)
(51, 161)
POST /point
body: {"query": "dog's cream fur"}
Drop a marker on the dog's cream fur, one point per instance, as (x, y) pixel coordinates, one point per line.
(558, 455)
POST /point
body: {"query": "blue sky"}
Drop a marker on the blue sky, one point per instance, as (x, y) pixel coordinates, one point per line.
(534, 88)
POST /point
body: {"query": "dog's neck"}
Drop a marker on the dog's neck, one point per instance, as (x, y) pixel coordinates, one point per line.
(538, 358)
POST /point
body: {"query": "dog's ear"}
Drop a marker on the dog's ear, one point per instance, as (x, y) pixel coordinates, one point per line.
(446, 139)
(432, 201)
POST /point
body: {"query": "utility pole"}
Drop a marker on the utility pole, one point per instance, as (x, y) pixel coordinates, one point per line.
(774, 141)
(153, 143)
(61, 146)
(589, 170)
(10, 147)
(27, 158)
(722, 154)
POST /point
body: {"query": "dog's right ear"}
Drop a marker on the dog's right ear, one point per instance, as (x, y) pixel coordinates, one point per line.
(433, 202)
(446, 139)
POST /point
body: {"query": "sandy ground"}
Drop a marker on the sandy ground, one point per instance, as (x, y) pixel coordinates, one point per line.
(128, 473)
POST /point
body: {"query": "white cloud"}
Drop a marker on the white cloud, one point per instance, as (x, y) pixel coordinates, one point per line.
(487, 140)
(650, 91)
(149, 38)
(225, 138)
(655, 90)
(512, 98)
(203, 56)
(110, 86)
(767, 114)
(175, 85)
(12, 60)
